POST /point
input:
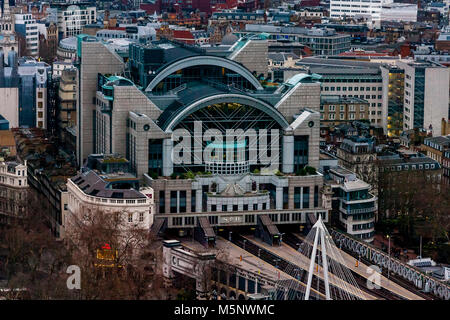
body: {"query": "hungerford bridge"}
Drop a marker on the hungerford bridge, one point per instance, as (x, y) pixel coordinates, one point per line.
(300, 268)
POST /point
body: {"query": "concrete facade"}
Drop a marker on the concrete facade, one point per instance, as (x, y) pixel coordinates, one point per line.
(426, 98)
(9, 108)
(95, 59)
(254, 56)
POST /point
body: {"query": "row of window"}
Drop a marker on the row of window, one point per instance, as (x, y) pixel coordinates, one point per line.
(363, 226)
(408, 167)
(351, 107)
(235, 207)
(249, 218)
(131, 216)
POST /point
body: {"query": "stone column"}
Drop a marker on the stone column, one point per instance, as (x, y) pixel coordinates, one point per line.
(279, 198)
(288, 154)
(188, 201)
(301, 198)
(167, 157)
(198, 200)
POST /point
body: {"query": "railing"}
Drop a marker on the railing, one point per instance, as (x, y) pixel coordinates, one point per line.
(356, 211)
(96, 200)
(228, 168)
(375, 255)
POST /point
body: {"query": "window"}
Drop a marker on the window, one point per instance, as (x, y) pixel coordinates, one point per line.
(141, 216)
(40, 95)
(297, 194)
(130, 217)
(183, 201)
(305, 197)
(316, 196)
(173, 201)
(255, 206)
(249, 218)
(178, 221)
(224, 208)
(213, 207)
(189, 220)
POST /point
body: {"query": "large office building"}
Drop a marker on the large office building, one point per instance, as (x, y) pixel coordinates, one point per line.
(321, 41)
(371, 10)
(393, 99)
(27, 27)
(23, 86)
(353, 203)
(426, 95)
(71, 18)
(350, 79)
(217, 146)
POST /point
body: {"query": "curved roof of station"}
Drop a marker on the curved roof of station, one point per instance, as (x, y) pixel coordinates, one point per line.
(201, 96)
(201, 60)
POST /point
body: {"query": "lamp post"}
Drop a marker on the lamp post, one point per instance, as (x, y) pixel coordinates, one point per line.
(281, 237)
(259, 253)
(229, 235)
(245, 240)
(389, 253)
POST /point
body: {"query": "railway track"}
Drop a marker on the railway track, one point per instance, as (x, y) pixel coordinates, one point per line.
(283, 265)
(401, 282)
(382, 293)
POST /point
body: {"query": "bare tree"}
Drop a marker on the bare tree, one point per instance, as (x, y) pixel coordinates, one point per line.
(117, 261)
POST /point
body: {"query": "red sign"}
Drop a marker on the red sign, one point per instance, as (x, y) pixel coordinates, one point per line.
(106, 247)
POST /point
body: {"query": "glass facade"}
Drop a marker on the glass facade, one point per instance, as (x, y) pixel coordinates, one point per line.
(419, 97)
(395, 102)
(155, 156)
(300, 152)
(232, 116)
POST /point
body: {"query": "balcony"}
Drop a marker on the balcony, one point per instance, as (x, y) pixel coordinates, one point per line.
(360, 210)
(370, 198)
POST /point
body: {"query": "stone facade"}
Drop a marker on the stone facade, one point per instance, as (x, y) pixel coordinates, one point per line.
(95, 59)
(254, 56)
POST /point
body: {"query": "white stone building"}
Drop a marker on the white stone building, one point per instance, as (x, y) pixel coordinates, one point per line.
(426, 98)
(28, 28)
(370, 9)
(89, 192)
(72, 18)
(13, 189)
